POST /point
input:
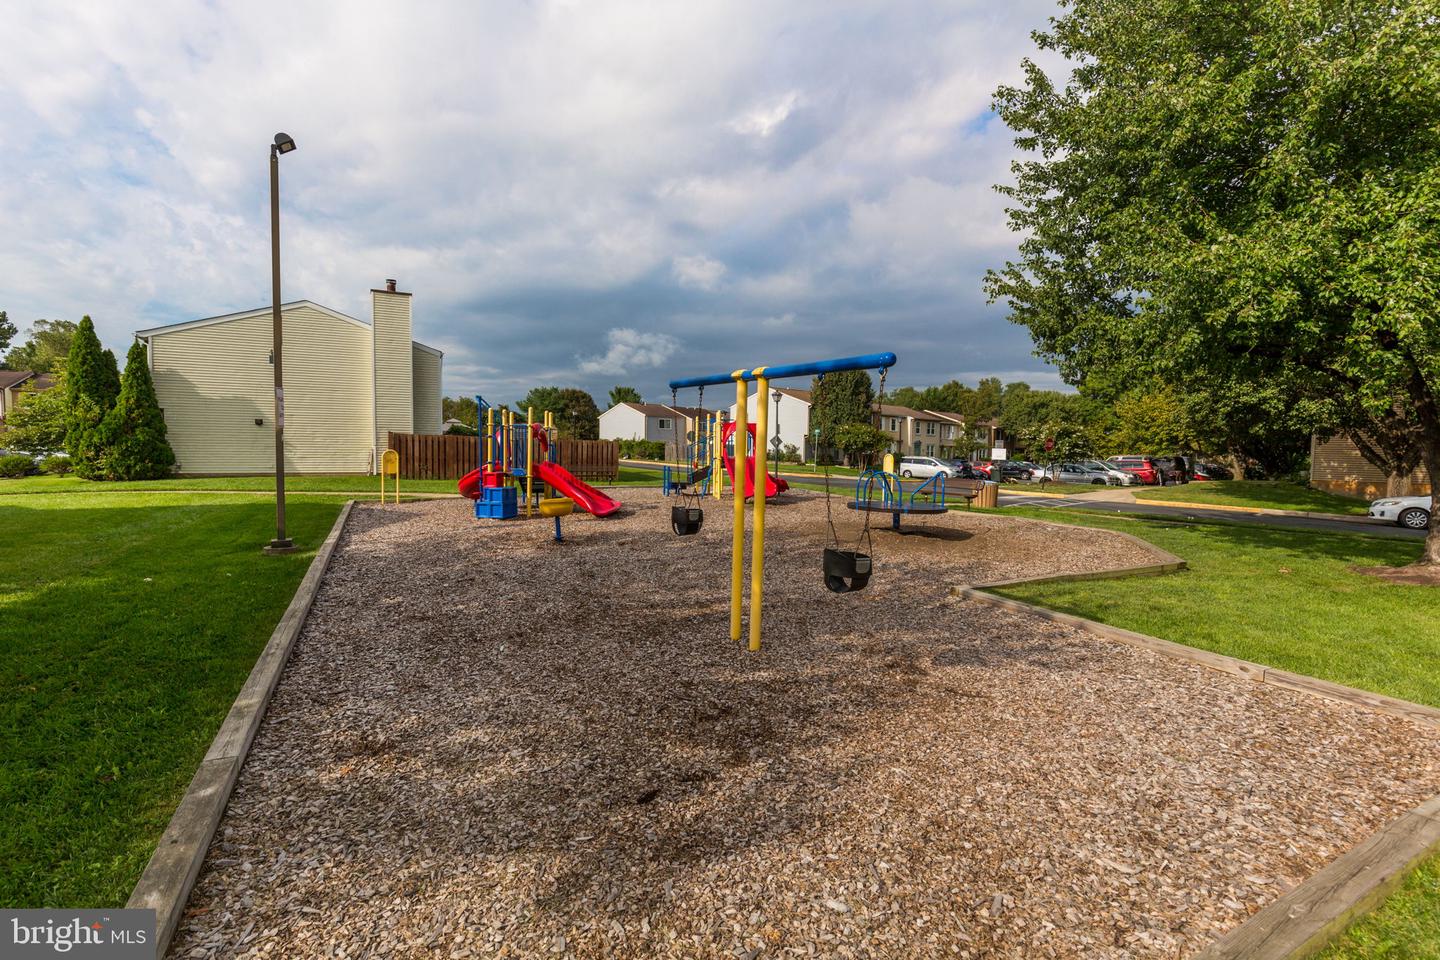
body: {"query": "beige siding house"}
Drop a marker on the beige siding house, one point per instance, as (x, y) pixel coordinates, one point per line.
(1336, 465)
(347, 383)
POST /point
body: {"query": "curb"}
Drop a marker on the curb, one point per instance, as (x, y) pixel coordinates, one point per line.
(1306, 918)
(1262, 511)
(165, 884)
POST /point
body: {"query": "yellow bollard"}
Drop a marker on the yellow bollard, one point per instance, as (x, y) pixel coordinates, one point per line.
(737, 537)
(757, 544)
(390, 464)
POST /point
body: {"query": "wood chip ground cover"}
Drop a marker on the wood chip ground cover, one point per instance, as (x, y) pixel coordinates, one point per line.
(491, 745)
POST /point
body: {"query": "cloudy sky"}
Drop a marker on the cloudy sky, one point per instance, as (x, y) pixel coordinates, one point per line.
(580, 193)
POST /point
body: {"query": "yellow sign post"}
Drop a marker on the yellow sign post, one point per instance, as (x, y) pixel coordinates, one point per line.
(390, 466)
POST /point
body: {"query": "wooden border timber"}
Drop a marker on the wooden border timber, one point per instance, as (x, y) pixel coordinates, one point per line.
(169, 876)
(1310, 915)
(1305, 919)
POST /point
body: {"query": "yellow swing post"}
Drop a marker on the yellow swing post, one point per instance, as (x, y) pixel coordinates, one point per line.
(737, 537)
(757, 543)
(717, 457)
(489, 435)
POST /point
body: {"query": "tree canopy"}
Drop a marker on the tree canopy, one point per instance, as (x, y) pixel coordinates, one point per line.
(7, 334)
(37, 423)
(44, 351)
(135, 447)
(464, 409)
(576, 415)
(624, 395)
(839, 399)
(91, 386)
(1246, 193)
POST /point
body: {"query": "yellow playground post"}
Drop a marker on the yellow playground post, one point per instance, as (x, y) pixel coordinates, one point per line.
(737, 537)
(390, 466)
(762, 476)
(530, 446)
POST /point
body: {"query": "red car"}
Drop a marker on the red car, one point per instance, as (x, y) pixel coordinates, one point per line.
(1145, 469)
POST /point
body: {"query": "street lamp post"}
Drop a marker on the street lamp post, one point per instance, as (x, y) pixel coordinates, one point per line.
(281, 544)
(776, 394)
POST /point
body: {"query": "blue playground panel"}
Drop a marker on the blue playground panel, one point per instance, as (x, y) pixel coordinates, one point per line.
(497, 503)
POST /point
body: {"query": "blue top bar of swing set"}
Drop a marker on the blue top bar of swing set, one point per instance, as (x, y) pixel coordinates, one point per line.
(869, 361)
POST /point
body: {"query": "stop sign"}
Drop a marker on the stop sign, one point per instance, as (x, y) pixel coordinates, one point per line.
(1049, 444)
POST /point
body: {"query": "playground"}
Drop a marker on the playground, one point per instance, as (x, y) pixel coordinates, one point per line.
(490, 743)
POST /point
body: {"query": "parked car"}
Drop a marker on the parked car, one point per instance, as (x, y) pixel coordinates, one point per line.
(1074, 473)
(1036, 470)
(1113, 476)
(923, 467)
(1209, 471)
(961, 469)
(1145, 469)
(1010, 470)
(1413, 513)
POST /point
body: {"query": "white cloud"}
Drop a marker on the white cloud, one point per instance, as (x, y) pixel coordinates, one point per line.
(628, 350)
(763, 120)
(698, 272)
(552, 166)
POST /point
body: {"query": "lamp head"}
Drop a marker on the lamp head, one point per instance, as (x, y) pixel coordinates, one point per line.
(284, 143)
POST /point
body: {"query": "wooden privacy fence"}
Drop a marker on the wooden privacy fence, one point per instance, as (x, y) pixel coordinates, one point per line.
(448, 457)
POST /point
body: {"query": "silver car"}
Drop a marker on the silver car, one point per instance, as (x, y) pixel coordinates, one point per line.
(1074, 473)
(1114, 477)
(925, 468)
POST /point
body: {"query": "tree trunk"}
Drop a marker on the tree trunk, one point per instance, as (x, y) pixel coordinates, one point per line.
(1397, 485)
(1237, 464)
(1431, 556)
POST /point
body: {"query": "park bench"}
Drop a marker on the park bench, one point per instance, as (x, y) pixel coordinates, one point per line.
(969, 489)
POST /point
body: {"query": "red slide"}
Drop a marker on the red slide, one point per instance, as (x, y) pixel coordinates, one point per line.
(773, 484)
(586, 497)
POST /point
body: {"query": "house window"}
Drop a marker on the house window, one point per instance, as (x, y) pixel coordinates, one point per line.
(664, 423)
(929, 449)
(894, 424)
(929, 428)
(945, 431)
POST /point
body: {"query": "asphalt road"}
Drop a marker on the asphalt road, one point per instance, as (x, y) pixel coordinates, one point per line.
(1372, 529)
(845, 486)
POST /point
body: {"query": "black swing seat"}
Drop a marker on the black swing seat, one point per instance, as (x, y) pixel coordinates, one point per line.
(846, 570)
(877, 506)
(686, 521)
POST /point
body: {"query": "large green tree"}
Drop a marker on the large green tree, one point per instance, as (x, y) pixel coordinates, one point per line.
(464, 409)
(576, 415)
(37, 424)
(135, 447)
(624, 395)
(838, 400)
(7, 333)
(1243, 190)
(90, 390)
(45, 350)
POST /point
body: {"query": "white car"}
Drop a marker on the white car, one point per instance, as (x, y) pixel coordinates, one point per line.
(1413, 513)
(925, 467)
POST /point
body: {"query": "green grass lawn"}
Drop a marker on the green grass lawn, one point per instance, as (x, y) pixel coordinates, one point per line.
(130, 623)
(358, 483)
(1287, 599)
(1267, 494)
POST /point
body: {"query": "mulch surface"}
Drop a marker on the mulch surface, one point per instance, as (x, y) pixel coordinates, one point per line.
(1413, 575)
(491, 745)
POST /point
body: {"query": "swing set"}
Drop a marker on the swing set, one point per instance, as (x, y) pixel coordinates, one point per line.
(844, 570)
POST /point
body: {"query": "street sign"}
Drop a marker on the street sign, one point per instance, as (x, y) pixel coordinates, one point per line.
(1050, 444)
(775, 442)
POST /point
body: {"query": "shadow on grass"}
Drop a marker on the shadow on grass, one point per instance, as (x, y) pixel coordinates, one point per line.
(132, 627)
